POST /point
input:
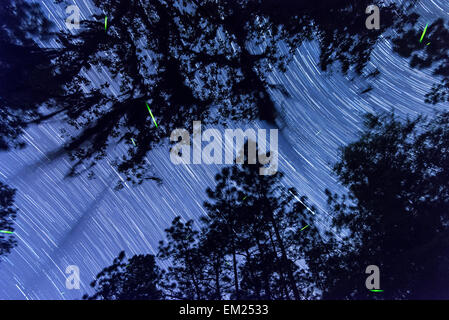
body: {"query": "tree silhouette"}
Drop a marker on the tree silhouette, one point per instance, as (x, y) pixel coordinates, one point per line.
(185, 277)
(395, 216)
(189, 60)
(25, 68)
(249, 246)
(250, 243)
(396, 212)
(259, 222)
(137, 279)
(7, 216)
(431, 53)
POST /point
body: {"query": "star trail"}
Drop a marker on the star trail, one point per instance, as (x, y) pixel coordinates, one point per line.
(85, 222)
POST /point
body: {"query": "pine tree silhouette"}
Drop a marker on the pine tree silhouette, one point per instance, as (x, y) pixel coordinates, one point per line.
(262, 233)
(396, 213)
(137, 279)
(249, 245)
(185, 277)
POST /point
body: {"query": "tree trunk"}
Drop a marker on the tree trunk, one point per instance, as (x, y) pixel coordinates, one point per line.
(265, 274)
(236, 278)
(281, 267)
(253, 277)
(285, 261)
(217, 279)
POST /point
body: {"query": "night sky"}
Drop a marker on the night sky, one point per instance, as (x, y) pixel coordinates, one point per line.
(77, 221)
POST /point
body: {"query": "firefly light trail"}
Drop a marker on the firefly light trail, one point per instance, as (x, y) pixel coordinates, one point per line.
(424, 32)
(151, 115)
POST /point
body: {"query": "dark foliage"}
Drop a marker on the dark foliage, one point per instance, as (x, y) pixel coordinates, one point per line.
(136, 279)
(255, 222)
(249, 245)
(189, 60)
(185, 277)
(25, 68)
(396, 212)
(431, 53)
(7, 217)
(395, 216)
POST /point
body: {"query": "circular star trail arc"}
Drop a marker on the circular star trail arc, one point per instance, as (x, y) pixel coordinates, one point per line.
(86, 223)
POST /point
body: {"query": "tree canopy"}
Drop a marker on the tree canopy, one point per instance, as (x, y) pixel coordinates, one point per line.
(249, 246)
(252, 243)
(396, 212)
(189, 60)
(7, 217)
(136, 279)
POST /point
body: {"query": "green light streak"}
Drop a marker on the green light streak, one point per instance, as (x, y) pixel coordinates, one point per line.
(304, 227)
(133, 141)
(151, 115)
(105, 23)
(244, 198)
(375, 290)
(4, 231)
(424, 32)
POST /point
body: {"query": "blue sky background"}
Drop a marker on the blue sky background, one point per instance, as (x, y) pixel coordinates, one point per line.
(84, 222)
